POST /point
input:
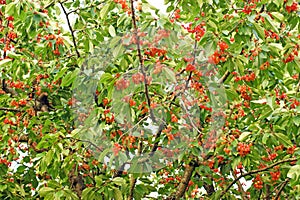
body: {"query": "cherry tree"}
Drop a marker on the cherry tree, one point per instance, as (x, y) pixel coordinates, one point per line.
(116, 100)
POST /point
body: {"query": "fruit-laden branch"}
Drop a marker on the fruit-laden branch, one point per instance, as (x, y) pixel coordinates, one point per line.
(193, 63)
(70, 27)
(7, 89)
(255, 172)
(137, 40)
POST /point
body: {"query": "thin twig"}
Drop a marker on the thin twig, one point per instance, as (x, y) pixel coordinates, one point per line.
(89, 142)
(277, 197)
(71, 29)
(193, 63)
(224, 77)
(171, 14)
(10, 109)
(255, 172)
(191, 120)
(137, 40)
(244, 197)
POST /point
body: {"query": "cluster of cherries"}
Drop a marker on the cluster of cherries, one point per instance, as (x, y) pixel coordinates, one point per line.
(291, 8)
(244, 149)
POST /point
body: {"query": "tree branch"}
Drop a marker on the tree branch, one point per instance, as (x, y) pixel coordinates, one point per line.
(193, 63)
(7, 89)
(70, 27)
(10, 109)
(132, 186)
(184, 182)
(277, 197)
(89, 142)
(255, 172)
(244, 197)
(224, 77)
(137, 38)
(132, 178)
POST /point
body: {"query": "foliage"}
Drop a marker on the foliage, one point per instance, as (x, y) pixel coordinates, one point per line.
(129, 103)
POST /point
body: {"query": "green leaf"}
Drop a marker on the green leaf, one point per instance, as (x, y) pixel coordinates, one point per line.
(112, 31)
(69, 78)
(294, 172)
(283, 139)
(170, 74)
(60, 73)
(119, 181)
(232, 94)
(259, 30)
(98, 181)
(278, 3)
(118, 50)
(265, 138)
(212, 24)
(271, 102)
(239, 65)
(48, 157)
(244, 136)
(269, 22)
(103, 154)
(4, 61)
(87, 193)
(10, 9)
(118, 194)
(45, 191)
(104, 10)
(296, 120)
(278, 16)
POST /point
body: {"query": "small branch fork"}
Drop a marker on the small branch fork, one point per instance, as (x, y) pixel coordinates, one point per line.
(70, 27)
(255, 172)
(277, 197)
